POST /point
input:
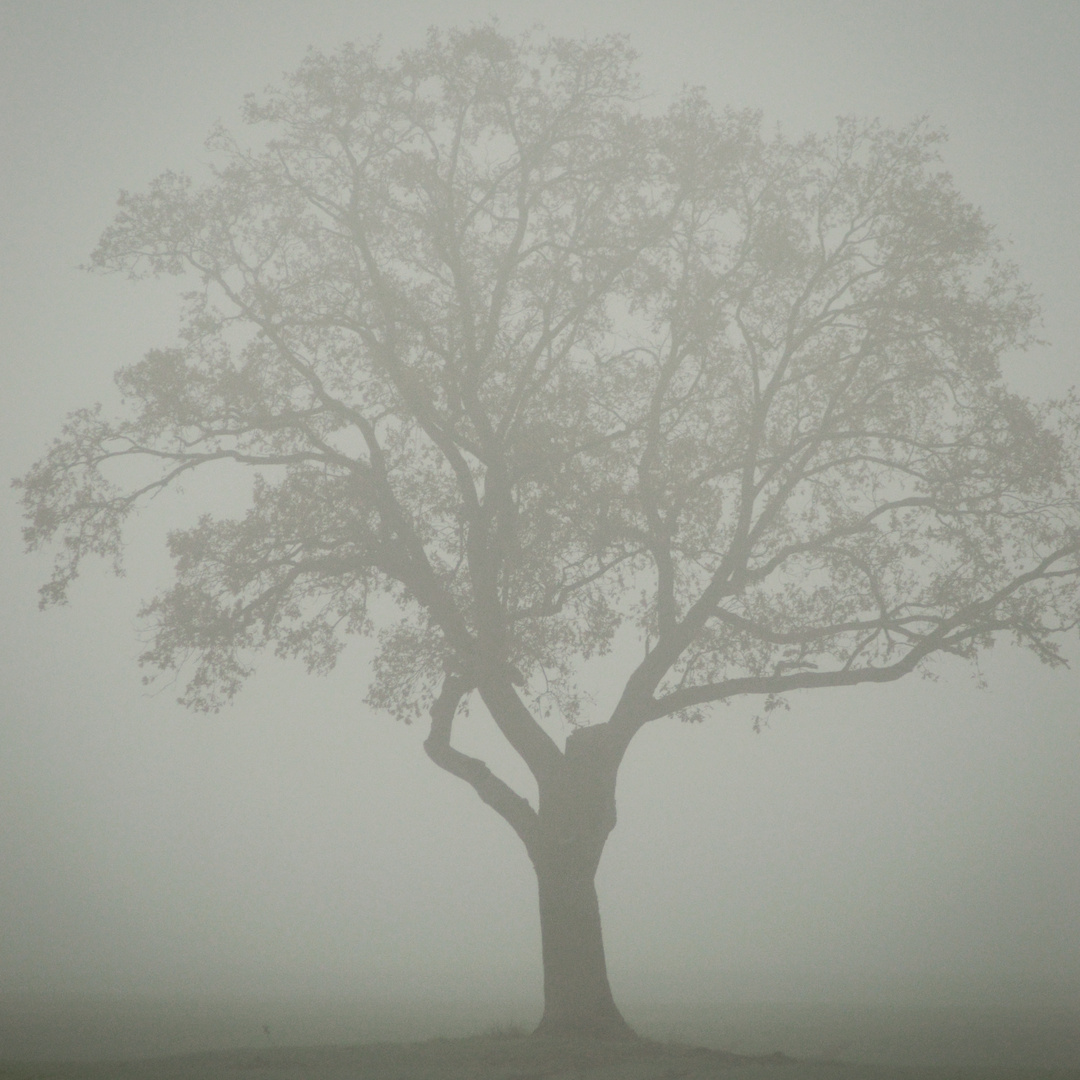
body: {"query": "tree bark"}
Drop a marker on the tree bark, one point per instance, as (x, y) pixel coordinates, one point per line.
(565, 839)
(577, 996)
(577, 812)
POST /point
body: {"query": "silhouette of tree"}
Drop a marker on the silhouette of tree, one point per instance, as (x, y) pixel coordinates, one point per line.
(522, 375)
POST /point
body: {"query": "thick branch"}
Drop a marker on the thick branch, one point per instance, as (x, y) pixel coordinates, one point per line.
(506, 802)
(970, 621)
(535, 747)
(781, 684)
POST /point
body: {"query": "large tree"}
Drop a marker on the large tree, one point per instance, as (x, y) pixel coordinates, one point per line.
(522, 375)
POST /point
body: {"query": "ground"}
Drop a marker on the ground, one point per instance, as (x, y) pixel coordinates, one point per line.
(506, 1057)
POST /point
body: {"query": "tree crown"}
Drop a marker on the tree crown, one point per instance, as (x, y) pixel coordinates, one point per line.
(551, 373)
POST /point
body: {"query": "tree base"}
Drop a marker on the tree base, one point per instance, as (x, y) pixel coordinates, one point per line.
(606, 1027)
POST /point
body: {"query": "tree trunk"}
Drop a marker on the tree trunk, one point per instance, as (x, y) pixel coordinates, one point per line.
(577, 995)
(577, 812)
(565, 838)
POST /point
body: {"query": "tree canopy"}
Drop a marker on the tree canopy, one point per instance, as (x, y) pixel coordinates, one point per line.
(553, 373)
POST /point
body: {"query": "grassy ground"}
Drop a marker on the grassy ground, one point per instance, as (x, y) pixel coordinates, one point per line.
(381, 1039)
(501, 1057)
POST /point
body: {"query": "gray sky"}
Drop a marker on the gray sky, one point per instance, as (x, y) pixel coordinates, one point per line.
(888, 842)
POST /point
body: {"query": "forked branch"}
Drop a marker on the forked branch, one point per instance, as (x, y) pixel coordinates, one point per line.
(502, 798)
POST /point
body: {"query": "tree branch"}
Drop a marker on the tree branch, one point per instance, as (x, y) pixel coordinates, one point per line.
(506, 802)
(969, 622)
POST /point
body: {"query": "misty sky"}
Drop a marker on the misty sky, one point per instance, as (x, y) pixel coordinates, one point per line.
(921, 838)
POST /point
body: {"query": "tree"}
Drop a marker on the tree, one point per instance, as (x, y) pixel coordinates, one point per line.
(522, 376)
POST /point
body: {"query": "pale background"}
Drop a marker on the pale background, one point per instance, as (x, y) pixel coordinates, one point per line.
(916, 842)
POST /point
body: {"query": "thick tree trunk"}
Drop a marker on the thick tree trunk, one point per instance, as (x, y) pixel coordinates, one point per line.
(577, 995)
(565, 838)
(577, 812)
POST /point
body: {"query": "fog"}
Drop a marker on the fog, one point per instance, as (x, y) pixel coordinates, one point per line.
(916, 842)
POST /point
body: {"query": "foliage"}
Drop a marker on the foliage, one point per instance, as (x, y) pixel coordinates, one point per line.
(552, 374)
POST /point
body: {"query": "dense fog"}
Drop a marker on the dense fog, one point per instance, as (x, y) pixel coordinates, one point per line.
(913, 842)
